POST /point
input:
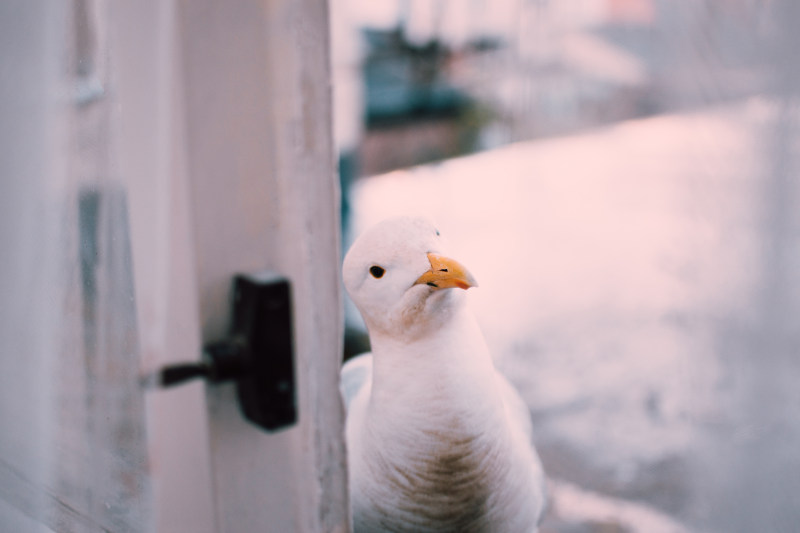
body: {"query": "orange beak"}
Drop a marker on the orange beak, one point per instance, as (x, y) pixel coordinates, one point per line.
(446, 273)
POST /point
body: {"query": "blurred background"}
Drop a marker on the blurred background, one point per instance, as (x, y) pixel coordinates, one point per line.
(622, 178)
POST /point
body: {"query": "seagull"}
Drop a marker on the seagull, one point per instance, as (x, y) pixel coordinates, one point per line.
(437, 439)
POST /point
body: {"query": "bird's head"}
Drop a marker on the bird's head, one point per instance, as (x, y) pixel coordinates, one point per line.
(400, 279)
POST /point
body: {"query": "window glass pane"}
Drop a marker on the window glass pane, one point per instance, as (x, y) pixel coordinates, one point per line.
(636, 246)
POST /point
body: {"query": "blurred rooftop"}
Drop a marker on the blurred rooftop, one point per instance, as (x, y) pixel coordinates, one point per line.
(419, 81)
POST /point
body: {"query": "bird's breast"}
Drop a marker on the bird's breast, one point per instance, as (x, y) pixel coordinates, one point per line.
(446, 478)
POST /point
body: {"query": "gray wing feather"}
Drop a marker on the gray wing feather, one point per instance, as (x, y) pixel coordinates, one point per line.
(517, 409)
(519, 413)
(356, 373)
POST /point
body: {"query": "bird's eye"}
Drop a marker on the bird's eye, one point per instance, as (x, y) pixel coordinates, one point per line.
(376, 271)
(437, 232)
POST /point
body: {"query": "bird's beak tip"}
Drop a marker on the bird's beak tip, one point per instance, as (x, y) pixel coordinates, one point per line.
(446, 273)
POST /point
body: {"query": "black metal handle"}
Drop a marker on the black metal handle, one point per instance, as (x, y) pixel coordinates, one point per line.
(258, 354)
(222, 361)
(180, 373)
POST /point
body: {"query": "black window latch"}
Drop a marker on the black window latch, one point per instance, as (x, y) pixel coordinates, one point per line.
(258, 353)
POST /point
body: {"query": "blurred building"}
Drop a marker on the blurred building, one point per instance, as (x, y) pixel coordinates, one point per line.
(452, 77)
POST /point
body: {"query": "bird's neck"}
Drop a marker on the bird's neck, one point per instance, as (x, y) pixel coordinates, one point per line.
(446, 372)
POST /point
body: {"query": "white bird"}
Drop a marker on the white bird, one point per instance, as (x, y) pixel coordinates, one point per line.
(437, 439)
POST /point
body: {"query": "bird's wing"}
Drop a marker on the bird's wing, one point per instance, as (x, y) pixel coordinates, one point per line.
(356, 374)
(518, 411)
(519, 414)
